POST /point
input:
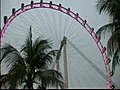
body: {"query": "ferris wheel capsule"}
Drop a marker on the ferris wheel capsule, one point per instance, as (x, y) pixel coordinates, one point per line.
(84, 22)
(41, 1)
(76, 16)
(108, 61)
(113, 86)
(68, 10)
(32, 2)
(98, 39)
(22, 6)
(5, 19)
(13, 11)
(59, 6)
(50, 3)
(91, 30)
(103, 49)
(111, 73)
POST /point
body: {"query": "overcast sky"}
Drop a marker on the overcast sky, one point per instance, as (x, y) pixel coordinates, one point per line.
(87, 10)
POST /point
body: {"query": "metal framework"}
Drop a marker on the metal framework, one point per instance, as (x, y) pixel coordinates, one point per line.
(67, 11)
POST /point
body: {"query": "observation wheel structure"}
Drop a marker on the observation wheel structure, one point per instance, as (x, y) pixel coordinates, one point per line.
(74, 17)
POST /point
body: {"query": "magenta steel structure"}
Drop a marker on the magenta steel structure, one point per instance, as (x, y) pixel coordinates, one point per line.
(70, 13)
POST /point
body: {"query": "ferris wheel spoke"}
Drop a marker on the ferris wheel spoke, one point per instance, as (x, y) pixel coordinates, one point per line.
(69, 28)
(37, 25)
(42, 24)
(60, 26)
(34, 19)
(82, 81)
(19, 26)
(51, 27)
(55, 25)
(73, 34)
(91, 63)
(25, 20)
(65, 25)
(88, 60)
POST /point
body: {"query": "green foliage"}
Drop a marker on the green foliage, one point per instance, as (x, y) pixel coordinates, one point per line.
(112, 8)
(31, 65)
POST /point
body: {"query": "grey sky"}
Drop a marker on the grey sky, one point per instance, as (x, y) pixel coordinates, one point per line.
(87, 10)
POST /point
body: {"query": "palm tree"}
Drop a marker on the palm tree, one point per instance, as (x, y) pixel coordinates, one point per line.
(30, 66)
(112, 8)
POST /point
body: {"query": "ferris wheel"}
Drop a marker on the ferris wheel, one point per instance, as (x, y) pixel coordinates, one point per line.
(70, 34)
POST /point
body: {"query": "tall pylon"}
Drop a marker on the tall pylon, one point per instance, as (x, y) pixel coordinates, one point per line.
(62, 46)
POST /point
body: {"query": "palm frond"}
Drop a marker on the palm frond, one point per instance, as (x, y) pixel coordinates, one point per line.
(11, 55)
(16, 75)
(116, 60)
(113, 49)
(49, 56)
(111, 7)
(53, 52)
(40, 46)
(101, 5)
(43, 45)
(6, 50)
(108, 28)
(113, 43)
(31, 64)
(51, 77)
(41, 55)
(3, 79)
(38, 62)
(26, 49)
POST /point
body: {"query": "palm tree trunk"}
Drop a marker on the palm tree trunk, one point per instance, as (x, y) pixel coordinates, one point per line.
(30, 81)
(43, 85)
(30, 84)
